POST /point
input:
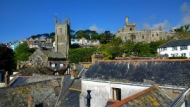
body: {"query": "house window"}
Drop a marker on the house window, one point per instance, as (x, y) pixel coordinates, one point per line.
(183, 47)
(52, 65)
(183, 54)
(61, 65)
(60, 30)
(174, 55)
(164, 49)
(125, 37)
(116, 93)
(174, 48)
(152, 35)
(142, 37)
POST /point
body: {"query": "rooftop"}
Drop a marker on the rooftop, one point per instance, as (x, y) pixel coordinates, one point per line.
(152, 71)
(151, 97)
(176, 43)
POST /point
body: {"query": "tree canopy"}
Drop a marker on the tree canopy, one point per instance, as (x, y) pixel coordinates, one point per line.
(22, 52)
(183, 31)
(6, 58)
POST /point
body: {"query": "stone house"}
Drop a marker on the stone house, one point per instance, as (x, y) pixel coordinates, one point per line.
(47, 58)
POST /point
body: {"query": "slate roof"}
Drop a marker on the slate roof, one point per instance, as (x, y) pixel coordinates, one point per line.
(72, 96)
(21, 80)
(70, 93)
(176, 43)
(28, 70)
(50, 54)
(151, 97)
(45, 94)
(46, 90)
(153, 71)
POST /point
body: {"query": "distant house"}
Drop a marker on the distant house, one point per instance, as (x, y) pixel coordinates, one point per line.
(47, 58)
(14, 45)
(40, 43)
(178, 48)
(85, 42)
(74, 41)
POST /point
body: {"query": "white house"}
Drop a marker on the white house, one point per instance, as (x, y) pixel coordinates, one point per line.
(177, 48)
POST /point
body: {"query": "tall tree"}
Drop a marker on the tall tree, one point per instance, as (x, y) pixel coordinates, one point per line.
(183, 31)
(6, 58)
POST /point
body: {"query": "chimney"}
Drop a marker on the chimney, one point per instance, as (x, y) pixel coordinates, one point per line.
(31, 101)
(74, 72)
(6, 78)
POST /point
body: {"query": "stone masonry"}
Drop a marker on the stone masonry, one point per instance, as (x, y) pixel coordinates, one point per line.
(129, 33)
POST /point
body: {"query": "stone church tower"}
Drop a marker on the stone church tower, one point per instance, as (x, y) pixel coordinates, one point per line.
(62, 36)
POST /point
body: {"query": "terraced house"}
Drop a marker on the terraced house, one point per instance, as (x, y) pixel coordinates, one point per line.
(177, 48)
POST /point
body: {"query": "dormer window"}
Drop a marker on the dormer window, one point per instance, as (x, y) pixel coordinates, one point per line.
(116, 93)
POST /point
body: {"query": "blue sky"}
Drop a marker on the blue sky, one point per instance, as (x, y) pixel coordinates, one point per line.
(21, 19)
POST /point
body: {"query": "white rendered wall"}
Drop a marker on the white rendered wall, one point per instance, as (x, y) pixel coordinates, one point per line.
(169, 51)
(99, 93)
(102, 91)
(127, 90)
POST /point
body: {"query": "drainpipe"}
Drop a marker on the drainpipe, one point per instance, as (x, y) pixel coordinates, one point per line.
(186, 102)
(88, 97)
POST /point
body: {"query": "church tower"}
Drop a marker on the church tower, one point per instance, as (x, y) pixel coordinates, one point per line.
(62, 36)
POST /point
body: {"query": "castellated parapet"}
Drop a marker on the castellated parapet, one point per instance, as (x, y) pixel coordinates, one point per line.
(130, 33)
(62, 36)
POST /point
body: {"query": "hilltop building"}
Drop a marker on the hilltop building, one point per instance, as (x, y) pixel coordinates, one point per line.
(130, 33)
(40, 43)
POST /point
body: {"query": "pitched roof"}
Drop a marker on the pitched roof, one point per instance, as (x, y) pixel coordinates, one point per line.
(151, 97)
(53, 54)
(69, 95)
(45, 93)
(176, 43)
(21, 80)
(159, 72)
(28, 70)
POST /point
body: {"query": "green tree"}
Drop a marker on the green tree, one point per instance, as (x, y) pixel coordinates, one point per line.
(183, 31)
(80, 54)
(6, 58)
(22, 52)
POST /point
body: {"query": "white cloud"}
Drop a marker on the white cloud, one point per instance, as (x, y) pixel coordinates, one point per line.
(164, 25)
(185, 10)
(95, 28)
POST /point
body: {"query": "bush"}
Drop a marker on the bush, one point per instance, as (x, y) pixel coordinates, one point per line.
(81, 54)
(181, 57)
